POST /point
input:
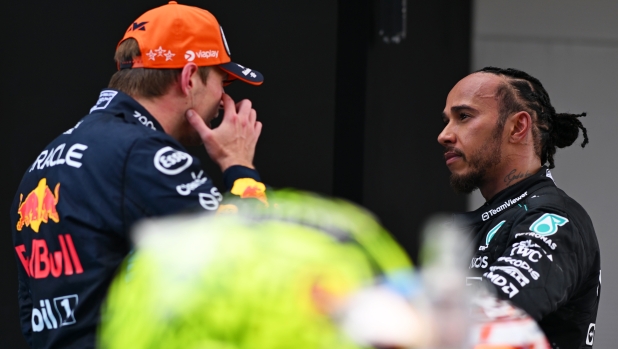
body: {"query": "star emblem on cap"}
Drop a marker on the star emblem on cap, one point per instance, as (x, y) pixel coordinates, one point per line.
(160, 51)
(151, 55)
(169, 55)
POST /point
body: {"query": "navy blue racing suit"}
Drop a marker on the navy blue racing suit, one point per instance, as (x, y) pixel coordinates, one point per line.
(537, 247)
(79, 199)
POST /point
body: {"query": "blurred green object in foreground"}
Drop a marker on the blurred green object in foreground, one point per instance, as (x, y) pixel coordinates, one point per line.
(264, 278)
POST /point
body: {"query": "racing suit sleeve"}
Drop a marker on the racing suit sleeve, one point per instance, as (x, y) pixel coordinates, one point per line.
(25, 303)
(540, 266)
(161, 178)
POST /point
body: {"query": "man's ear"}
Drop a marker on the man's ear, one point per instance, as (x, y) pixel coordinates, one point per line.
(186, 84)
(521, 126)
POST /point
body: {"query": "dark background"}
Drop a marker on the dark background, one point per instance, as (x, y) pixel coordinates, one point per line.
(344, 113)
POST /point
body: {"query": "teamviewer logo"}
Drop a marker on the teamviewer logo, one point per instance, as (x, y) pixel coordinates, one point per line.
(485, 216)
(190, 56)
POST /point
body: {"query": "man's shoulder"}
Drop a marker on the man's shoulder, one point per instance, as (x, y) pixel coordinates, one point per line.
(113, 126)
(552, 198)
(112, 131)
(550, 211)
(99, 139)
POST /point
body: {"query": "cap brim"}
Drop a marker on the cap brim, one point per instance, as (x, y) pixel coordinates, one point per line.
(237, 71)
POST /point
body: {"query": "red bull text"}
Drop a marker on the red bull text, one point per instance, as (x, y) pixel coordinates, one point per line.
(43, 262)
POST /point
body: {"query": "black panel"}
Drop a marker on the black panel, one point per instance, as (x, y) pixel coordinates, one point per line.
(353, 35)
(406, 179)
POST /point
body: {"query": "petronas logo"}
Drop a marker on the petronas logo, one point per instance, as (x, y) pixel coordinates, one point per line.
(493, 232)
(548, 224)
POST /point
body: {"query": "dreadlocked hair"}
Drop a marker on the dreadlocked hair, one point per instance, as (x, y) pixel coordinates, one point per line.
(551, 129)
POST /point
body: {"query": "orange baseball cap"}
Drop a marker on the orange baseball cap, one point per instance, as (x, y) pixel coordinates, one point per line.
(173, 35)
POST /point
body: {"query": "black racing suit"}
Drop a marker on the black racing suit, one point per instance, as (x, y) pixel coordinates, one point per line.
(538, 249)
(75, 206)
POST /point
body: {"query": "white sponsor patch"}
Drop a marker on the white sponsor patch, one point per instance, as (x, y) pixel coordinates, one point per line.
(54, 157)
(485, 216)
(190, 55)
(171, 162)
(479, 262)
(545, 239)
(521, 264)
(532, 255)
(210, 201)
(186, 189)
(104, 99)
(514, 272)
(501, 282)
(70, 131)
(590, 336)
(144, 120)
(61, 314)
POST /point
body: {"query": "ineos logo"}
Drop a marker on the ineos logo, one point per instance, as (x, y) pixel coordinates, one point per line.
(190, 56)
(171, 161)
(479, 262)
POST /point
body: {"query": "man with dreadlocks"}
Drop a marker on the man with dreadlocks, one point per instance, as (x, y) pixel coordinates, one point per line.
(533, 244)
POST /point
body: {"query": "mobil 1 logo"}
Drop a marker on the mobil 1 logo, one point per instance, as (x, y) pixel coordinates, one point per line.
(55, 313)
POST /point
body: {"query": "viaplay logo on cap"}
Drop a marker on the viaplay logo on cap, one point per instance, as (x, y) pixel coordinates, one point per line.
(191, 55)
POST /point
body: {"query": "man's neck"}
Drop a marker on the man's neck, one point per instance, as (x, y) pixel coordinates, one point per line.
(507, 176)
(165, 110)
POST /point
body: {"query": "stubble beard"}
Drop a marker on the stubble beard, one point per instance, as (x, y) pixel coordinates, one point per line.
(481, 163)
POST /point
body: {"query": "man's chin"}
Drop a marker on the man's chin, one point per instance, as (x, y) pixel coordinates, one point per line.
(464, 183)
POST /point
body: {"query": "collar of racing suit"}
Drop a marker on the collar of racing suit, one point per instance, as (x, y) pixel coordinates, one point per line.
(118, 103)
(506, 199)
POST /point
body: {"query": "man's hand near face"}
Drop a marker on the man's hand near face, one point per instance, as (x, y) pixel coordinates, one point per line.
(234, 141)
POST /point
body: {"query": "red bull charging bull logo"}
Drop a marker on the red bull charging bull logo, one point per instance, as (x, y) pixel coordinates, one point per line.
(38, 207)
(249, 188)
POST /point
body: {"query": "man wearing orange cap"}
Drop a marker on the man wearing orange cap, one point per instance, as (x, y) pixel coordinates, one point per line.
(125, 161)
